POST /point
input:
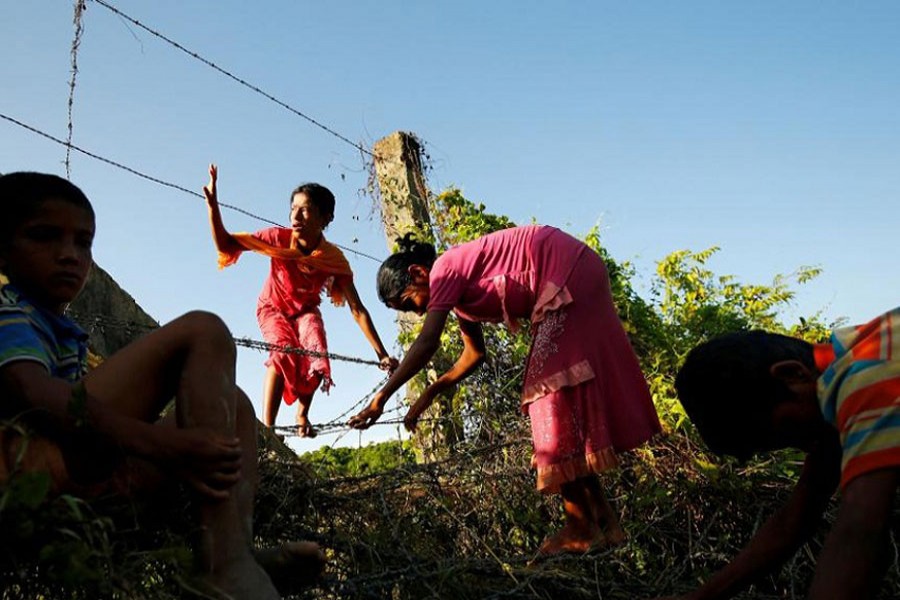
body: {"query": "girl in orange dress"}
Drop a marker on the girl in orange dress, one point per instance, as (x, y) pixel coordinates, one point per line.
(303, 265)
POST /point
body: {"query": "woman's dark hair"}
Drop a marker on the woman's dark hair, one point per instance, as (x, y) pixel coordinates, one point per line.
(393, 275)
(727, 390)
(320, 196)
(22, 193)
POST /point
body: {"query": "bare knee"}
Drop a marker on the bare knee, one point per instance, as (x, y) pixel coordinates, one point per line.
(201, 325)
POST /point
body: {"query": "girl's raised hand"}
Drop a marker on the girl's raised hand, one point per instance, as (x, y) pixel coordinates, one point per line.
(389, 364)
(209, 190)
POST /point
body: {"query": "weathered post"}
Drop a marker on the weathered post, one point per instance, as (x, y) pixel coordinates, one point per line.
(404, 209)
(401, 181)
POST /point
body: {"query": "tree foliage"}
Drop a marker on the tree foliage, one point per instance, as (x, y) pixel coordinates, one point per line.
(328, 462)
(688, 304)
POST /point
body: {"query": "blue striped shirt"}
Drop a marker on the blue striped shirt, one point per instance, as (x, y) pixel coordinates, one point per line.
(28, 332)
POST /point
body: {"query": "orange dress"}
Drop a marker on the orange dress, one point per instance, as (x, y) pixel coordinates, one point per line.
(288, 306)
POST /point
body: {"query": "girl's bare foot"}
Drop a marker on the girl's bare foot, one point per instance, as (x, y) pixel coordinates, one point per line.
(305, 428)
(292, 564)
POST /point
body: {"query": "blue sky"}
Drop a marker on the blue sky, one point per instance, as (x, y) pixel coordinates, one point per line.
(770, 129)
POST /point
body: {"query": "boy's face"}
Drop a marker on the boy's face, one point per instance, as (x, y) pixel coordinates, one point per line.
(49, 255)
(797, 422)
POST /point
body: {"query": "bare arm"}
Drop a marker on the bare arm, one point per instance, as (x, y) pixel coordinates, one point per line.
(364, 320)
(418, 355)
(224, 241)
(49, 403)
(783, 533)
(469, 360)
(855, 556)
(208, 460)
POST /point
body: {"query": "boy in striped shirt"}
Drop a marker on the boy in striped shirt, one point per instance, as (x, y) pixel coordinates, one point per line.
(840, 403)
(87, 430)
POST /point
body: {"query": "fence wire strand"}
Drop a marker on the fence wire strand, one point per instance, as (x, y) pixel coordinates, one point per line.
(78, 23)
(231, 76)
(159, 181)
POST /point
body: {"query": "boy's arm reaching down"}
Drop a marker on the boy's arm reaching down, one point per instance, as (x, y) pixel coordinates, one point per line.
(786, 530)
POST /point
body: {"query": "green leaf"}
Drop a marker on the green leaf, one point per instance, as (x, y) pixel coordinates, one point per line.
(29, 489)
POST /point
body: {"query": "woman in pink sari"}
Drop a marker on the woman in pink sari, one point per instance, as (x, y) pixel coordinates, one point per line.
(583, 390)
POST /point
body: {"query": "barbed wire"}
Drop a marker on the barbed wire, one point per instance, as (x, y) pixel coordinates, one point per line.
(159, 181)
(266, 346)
(379, 533)
(338, 425)
(232, 76)
(92, 320)
(78, 23)
(128, 169)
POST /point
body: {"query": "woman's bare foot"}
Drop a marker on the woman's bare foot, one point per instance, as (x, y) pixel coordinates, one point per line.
(573, 540)
(614, 535)
(292, 564)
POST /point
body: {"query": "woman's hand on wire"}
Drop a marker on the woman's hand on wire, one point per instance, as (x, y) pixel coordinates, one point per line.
(389, 364)
(209, 190)
(411, 420)
(367, 416)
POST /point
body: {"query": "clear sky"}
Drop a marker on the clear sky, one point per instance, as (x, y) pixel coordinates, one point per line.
(770, 129)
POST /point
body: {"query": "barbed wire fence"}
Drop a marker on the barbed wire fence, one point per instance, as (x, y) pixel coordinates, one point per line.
(222, 71)
(469, 523)
(78, 23)
(159, 181)
(96, 321)
(468, 526)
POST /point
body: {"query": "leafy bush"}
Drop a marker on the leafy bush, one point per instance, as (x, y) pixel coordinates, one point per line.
(328, 462)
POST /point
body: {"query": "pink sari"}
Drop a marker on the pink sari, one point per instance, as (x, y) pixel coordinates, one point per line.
(583, 388)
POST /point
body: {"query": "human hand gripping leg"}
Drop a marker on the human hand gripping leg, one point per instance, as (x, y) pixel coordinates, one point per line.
(214, 446)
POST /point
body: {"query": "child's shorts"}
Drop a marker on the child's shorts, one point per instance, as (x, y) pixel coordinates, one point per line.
(29, 453)
(22, 452)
